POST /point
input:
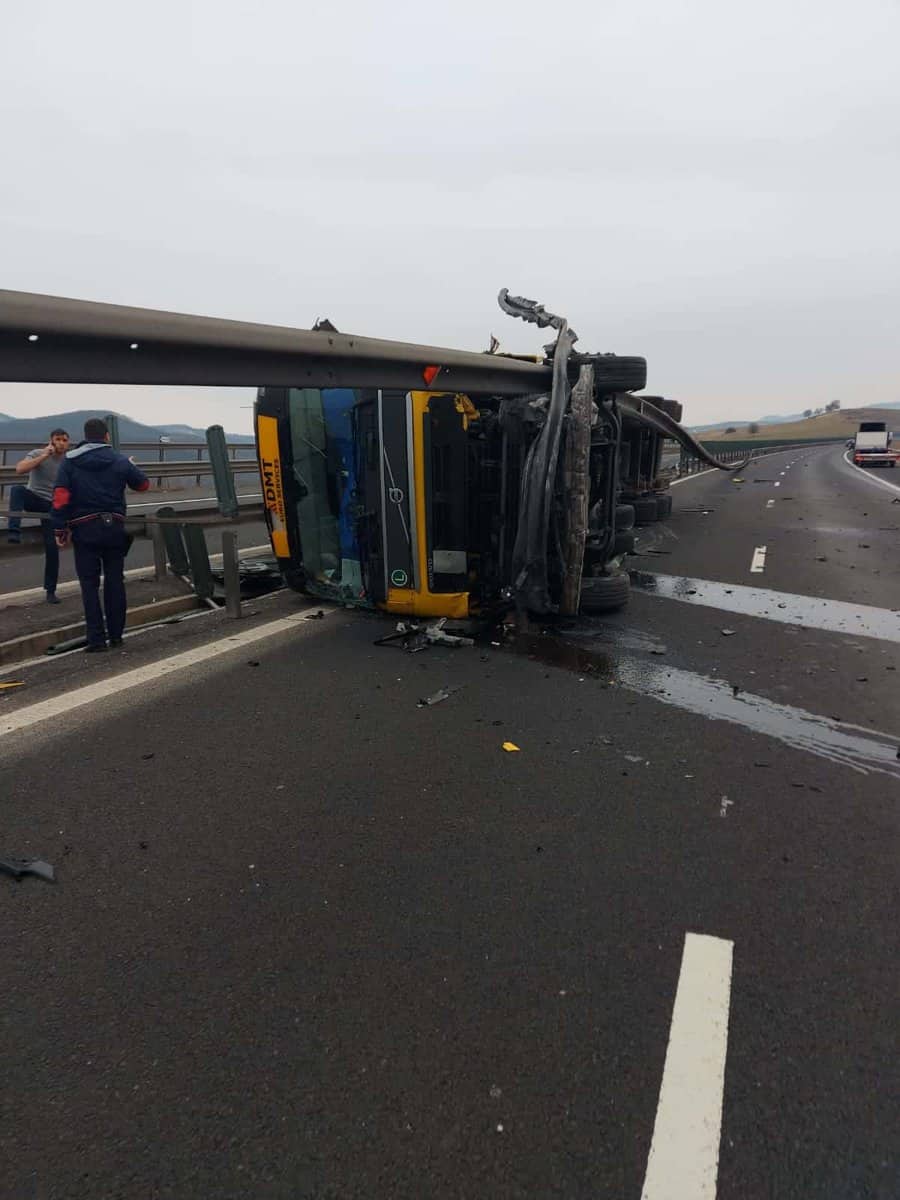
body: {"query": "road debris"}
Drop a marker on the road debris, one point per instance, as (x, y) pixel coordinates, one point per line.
(725, 805)
(12, 684)
(316, 616)
(727, 632)
(512, 748)
(437, 697)
(18, 867)
(413, 636)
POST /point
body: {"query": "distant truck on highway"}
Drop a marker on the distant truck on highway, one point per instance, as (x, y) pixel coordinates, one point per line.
(873, 446)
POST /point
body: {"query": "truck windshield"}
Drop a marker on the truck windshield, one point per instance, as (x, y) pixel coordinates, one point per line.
(325, 487)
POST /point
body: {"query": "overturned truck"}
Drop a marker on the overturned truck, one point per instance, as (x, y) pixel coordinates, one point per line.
(520, 491)
(417, 479)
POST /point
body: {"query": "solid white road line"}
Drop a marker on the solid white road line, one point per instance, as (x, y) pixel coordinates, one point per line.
(684, 1154)
(758, 561)
(26, 595)
(688, 478)
(870, 478)
(58, 706)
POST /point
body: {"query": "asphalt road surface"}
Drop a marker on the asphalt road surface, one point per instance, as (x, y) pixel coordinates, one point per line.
(310, 939)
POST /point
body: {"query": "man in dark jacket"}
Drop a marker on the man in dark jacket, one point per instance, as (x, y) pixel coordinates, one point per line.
(89, 507)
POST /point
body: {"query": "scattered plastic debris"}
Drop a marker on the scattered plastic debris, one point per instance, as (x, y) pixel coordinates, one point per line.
(437, 697)
(512, 748)
(725, 805)
(727, 632)
(316, 616)
(17, 867)
(634, 758)
(12, 684)
(413, 636)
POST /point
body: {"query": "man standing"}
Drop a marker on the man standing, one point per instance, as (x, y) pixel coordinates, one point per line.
(89, 507)
(36, 496)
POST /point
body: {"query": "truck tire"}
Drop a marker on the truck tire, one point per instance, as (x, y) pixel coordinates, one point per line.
(604, 593)
(624, 517)
(618, 373)
(671, 408)
(663, 506)
(624, 543)
(644, 510)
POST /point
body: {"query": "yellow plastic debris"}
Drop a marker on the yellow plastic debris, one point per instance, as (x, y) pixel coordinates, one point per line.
(17, 683)
(510, 747)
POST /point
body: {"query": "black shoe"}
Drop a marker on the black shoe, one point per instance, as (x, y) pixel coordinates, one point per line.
(52, 598)
(95, 649)
(114, 643)
(14, 539)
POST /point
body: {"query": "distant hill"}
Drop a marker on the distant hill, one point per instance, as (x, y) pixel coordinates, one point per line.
(843, 423)
(36, 429)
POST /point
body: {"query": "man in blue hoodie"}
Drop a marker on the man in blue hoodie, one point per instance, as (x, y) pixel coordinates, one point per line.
(89, 507)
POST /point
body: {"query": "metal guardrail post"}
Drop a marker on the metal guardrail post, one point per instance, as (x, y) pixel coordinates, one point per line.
(201, 574)
(160, 558)
(199, 459)
(223, 477)
(112, 422)
(174, 542)
(231, 573)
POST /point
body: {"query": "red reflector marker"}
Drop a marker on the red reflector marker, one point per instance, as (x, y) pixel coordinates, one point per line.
(430, 374)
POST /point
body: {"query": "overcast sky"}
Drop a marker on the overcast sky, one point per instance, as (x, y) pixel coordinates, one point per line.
(713, 185)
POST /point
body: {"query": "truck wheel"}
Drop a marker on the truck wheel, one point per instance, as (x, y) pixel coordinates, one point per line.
(604, 593)
(663, 506)
(618, 373)
(644, 510)
(671, 408)
(624, 543)
(624, 516)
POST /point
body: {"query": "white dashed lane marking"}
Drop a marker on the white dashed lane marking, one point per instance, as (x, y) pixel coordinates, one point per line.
(684, 1153)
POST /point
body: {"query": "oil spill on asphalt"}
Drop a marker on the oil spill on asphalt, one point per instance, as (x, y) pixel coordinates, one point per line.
(835, 616)
(862, 750)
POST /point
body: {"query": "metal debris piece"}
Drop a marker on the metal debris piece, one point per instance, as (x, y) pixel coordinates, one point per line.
(435, 635)
(17, 867)
(437, 697)
(413, 636)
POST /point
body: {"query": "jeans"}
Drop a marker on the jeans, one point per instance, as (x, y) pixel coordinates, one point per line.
(23, 498)
(102, 547)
